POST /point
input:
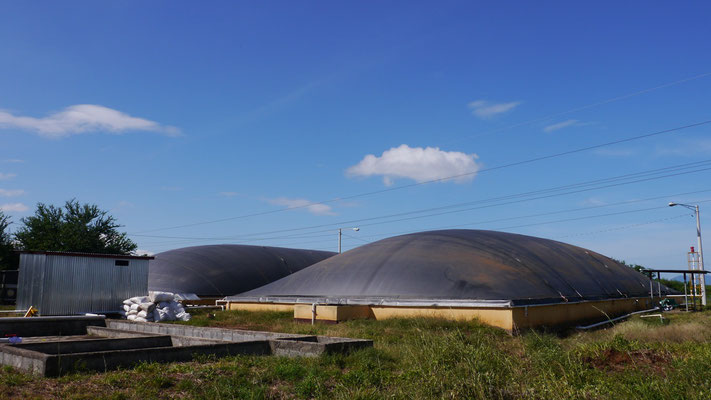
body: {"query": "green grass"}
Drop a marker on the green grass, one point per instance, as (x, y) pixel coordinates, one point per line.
(421, 359)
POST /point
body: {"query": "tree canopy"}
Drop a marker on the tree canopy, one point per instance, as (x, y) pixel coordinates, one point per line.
(8, 257)
(75, 227)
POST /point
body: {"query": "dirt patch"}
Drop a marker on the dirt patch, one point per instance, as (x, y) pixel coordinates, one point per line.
(615, 360)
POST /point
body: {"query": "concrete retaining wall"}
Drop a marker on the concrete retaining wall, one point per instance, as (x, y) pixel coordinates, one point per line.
(48, 326)
(229, 335)
(93, 345)
(319, 345)
(178, 341)
(109, 360)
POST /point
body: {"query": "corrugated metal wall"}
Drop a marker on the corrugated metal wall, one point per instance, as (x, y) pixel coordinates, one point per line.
(67, 285)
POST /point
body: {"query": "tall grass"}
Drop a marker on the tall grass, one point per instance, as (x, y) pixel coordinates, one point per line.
(421, 359)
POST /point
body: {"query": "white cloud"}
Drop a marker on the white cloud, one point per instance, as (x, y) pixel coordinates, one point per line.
(6, 176)
(11, 192)
(593, 202)
(606, 152)
(316, 209)
(486, 109)
(560, 125)
(82, 118)
(171, 188)
(686, 147)
(13, 207)
(122, 205)
(417, 163)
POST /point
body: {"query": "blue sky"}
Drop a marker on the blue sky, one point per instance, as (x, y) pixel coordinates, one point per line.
(174, 114)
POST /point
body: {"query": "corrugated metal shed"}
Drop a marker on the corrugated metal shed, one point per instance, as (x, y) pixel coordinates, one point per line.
(58, 283)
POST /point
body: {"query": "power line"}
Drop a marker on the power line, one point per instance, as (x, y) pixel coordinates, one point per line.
(547, 213)
(356, 238)
(535, 198)
(553, 190)
(623, 227)
(562, 220)
(490, 200)
(596, 216)
(305, 235)
(585, 217)
(543, 196)
(391, 189)
(585, 107)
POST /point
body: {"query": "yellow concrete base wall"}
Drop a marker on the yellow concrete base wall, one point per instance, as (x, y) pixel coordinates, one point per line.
(498, 317)
(510, 319)
(332, 313)
(566, 314)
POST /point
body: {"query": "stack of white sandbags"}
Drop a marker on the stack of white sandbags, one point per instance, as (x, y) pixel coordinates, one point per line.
(158, 306)
(139, 308)
(167, 308)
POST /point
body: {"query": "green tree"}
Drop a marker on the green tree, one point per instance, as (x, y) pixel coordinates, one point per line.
(76, 227)
(635, 267)
(676, 285)
(9, 259)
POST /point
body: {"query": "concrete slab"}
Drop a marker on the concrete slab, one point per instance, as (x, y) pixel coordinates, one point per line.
(123, 344)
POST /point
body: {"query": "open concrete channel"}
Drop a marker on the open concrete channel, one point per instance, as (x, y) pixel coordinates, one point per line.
(52, 346)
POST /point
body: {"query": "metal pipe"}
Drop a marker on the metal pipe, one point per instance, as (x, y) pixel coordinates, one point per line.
(693, 289)
(686, 300)
(374, 301)
(313, 313)
(615, 319)
(661, 317)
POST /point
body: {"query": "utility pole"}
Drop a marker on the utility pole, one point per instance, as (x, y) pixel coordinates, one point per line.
(701, 250)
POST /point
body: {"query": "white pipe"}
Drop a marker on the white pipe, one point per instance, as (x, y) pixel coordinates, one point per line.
(615, 319)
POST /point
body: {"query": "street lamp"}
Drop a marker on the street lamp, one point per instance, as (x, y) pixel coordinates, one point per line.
(339, 237)
(701, 251)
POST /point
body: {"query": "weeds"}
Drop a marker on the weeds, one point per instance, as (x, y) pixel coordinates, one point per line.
(420, 359)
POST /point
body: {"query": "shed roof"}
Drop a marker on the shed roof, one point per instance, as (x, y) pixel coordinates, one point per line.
(95, 255)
